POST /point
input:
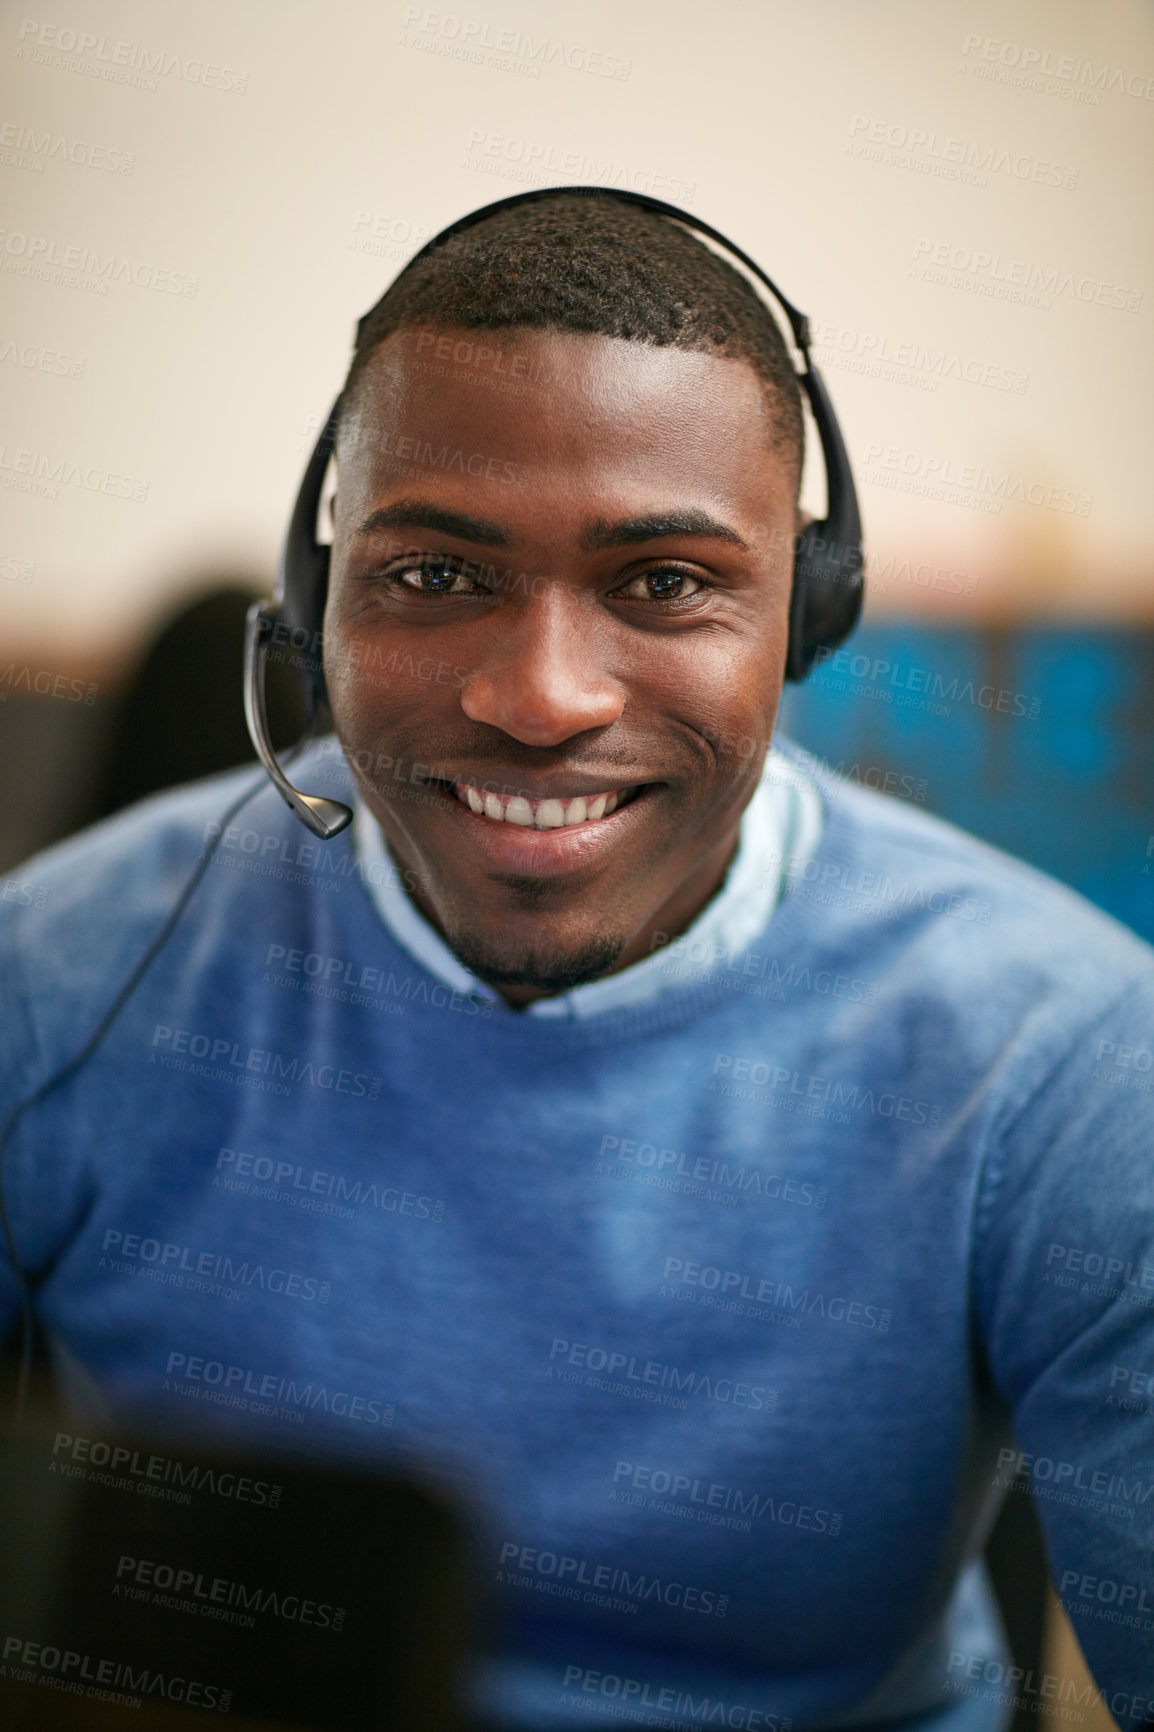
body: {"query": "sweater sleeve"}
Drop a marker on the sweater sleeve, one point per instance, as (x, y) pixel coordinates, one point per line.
(20, 1073)
(1064, 1293)
(47, 1017)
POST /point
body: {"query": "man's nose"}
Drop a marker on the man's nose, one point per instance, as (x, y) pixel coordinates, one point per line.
(541, 678)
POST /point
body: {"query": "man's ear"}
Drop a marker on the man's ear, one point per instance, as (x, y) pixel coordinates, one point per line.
(333, 513)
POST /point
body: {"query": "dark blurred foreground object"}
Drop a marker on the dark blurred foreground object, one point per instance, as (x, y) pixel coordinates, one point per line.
(146, 1581)
(181, 716)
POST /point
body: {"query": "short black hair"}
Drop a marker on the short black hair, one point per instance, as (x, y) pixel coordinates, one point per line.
(598, 265)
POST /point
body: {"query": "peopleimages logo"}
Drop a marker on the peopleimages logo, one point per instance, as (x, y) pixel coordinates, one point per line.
(25, 147)
(929, 152)
(289, 1181)
(1022, 1688)
(475, 41)
(387, 237)
(362, 985)
(651, 1379)
(708, 1501)
(1015, 279)
(201, 1271)
(84, 267)
(1097, 1272)
(878, 356)
(1137, 1382)
(255, 1391)
(607, 1579)
(665, 1700)
(216, 1596)
(919, 687)
(880, 574)
(537, 159)
(886, 1105)
(38, 472)
(864, 892)
(423, 456)
(701, 1171)
(153, 1474)
(698, 958)
(734, 1285)
(1124, 1066)
(1108, 1592)
(1037, 63)
(24, 892)
(37, 359)
(1046, 1470)
(46, 684)
(217, 1051)
(119, 62)
(66, 1668)
(969, 484)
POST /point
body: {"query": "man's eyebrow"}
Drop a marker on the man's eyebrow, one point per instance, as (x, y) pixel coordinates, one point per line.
(422, 514)
(632, 530)
(628, 532)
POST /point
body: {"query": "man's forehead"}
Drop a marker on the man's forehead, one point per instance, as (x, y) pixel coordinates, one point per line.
(581, 401)
(515, 364)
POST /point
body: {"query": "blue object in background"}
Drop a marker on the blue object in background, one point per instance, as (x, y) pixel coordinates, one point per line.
(1039, 740)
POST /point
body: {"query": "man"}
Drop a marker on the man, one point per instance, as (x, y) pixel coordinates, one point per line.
(729, 1175)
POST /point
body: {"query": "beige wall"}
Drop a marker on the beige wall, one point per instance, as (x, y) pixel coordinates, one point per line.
(278, 162)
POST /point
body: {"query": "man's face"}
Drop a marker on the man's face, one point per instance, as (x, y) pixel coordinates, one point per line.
(548, 595)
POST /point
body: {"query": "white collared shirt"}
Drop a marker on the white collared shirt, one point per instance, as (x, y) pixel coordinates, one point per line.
(780, 827)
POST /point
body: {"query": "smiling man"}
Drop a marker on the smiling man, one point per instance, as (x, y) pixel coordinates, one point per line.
(615, 612)
(726, 1175)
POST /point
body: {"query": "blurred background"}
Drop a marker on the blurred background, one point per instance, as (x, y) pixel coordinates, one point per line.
(199, 202)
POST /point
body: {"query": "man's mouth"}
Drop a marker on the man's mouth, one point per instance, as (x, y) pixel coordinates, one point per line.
(554, 813)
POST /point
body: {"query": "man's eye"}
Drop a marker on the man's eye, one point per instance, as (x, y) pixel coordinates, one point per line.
(664, 584)
(434, 577)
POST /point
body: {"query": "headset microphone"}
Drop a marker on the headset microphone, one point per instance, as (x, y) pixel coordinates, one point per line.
(825, 599)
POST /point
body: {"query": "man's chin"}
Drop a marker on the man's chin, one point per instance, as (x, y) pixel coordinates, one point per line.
(542, 971)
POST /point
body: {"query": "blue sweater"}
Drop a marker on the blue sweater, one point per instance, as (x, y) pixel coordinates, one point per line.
(735, 1311)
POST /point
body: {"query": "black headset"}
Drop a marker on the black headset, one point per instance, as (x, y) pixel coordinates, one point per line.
(825, 600)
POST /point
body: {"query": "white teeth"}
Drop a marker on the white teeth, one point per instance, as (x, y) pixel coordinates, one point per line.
(551, 814)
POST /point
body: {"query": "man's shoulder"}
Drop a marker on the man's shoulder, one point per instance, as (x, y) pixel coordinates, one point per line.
(895, 866)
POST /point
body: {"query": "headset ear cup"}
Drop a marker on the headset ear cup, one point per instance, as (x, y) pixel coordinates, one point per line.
(304, 573)
(300, 619)
(826, 598)
(796, 666)
(315, 668)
